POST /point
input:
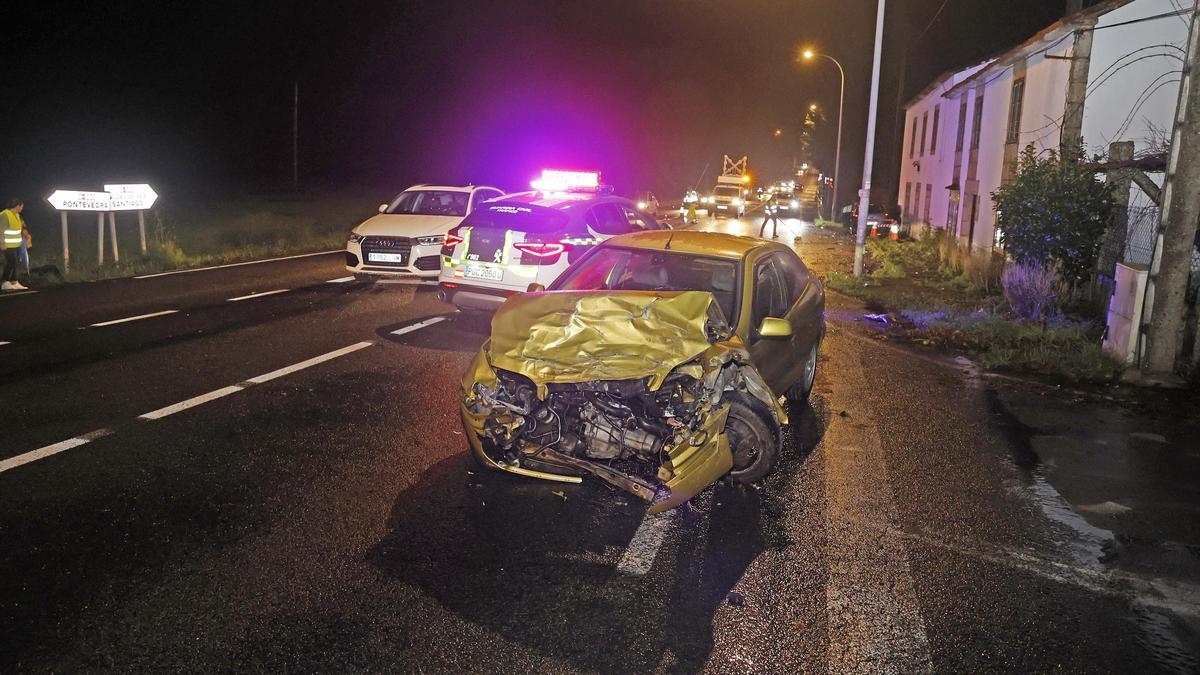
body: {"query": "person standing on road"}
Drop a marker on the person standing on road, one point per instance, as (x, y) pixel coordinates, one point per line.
(14, 238)
(770, 215)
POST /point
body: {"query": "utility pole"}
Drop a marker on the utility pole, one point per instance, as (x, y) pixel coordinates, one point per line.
(296, 135)
(1077, 81)
(864, 195)
(1171, 264)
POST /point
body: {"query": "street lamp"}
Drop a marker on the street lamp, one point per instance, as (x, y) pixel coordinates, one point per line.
(809, 55)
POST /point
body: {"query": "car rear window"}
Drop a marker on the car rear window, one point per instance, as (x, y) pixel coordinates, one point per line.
(519, 217)
(624, 269)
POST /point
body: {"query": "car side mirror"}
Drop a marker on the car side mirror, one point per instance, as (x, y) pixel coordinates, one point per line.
(535, 287)
(775, 328)
(382, 208)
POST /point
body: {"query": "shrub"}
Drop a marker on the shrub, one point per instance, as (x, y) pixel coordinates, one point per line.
(1032, 290)
(1054, 211)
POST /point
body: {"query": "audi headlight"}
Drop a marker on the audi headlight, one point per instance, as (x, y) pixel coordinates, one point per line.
(356, 237)
(435, 240)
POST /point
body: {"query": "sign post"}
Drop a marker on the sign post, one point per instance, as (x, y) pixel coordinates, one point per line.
(112, 232)
(75, 200)
(132, 197)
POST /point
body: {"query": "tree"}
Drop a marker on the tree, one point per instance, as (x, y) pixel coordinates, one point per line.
(1054, 213)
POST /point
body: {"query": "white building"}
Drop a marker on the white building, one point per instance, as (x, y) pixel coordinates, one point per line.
(965, 130)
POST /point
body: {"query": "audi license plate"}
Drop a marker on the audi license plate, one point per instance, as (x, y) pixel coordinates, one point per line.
(385, 257)
(483, 272)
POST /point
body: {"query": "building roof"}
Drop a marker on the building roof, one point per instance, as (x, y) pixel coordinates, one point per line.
(1038, 42)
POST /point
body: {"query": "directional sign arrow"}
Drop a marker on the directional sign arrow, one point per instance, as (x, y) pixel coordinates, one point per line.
(75, 200)
(131, 197)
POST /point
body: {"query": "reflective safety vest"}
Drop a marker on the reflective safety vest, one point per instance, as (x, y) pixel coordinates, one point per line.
(12, 229)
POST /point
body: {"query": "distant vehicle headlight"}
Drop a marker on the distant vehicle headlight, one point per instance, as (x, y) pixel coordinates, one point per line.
(434, 240)
(642, 206)
(795, 204)
(356, 237)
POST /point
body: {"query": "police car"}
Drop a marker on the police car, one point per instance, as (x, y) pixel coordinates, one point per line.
(404, 241)
(507, 244)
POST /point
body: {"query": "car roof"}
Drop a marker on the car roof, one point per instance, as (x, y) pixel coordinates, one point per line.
(450, 188)
(717, 244)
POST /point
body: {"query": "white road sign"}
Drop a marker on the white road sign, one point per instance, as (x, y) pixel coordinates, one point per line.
(131, 197)
(74, 200)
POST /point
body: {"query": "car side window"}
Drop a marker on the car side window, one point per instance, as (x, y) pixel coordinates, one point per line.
(480, 197)
(636, 221)
(608, 219)
(795, 276)
(769, 293)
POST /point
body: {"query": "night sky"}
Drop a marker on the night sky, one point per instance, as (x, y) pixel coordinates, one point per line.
(195, 98)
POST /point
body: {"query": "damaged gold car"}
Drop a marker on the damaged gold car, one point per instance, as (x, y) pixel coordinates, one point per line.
(656, 363)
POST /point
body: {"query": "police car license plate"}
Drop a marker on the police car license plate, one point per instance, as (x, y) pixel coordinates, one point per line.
(385, 257)
(483, 272)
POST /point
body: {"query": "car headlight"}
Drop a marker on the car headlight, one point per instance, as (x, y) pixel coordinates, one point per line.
(642, 206)
(356, 237)
(895, 228)
(795, 204)
(737, 201)
(434, 240)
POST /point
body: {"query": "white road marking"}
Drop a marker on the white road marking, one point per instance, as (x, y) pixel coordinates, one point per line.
(267, 377)
(248, 262)
(34, 455)
(340, 280)
(256, 295)
(2, 343)
(47, 451)
(418, 325)
(643, 548)
(134, 318)
(13, 294)
(190, 403)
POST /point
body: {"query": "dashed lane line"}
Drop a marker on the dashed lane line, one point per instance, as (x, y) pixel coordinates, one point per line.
(340, 280)
(4, 342)
(134, 318)
(47, 451)
(643, 548)
(54, 449)
(418, 325)
(249, 262)
(257, 295)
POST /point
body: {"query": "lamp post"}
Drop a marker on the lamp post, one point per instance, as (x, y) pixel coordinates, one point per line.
(809, 55)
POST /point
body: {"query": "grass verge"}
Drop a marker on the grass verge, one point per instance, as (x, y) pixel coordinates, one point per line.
(934, 304)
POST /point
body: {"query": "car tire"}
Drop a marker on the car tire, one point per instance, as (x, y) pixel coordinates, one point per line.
(798, 393)
(754, 447)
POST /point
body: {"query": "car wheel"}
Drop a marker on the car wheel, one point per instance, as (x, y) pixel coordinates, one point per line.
(799, 392)
(755, 449)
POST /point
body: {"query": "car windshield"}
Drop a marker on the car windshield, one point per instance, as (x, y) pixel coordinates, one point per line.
(430, 203)
(623, 269)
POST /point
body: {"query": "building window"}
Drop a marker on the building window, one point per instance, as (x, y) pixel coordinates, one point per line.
(937, 109)
(915, 211)
(962, 125)
(1014, 111)
(924, 128)
(907, 196)
(977, 121)
(928, 200)
(912, 142)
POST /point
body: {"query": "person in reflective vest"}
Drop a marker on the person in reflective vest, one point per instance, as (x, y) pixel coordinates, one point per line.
(14, 237)
(770, 215)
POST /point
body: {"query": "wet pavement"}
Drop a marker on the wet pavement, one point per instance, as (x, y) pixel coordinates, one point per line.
(926, 516)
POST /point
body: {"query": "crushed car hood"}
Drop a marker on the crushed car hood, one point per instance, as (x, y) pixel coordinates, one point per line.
(568, 337)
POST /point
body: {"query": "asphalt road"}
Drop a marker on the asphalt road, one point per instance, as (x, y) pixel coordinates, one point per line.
(279, 483)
